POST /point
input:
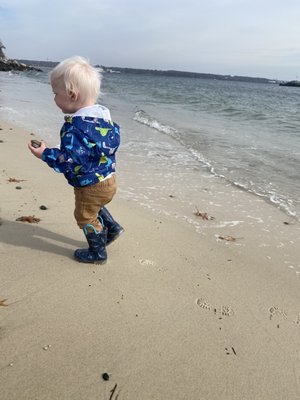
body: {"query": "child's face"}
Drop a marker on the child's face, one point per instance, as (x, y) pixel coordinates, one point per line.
(63, 99)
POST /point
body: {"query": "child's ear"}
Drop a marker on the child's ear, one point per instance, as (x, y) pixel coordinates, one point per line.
(73, 95)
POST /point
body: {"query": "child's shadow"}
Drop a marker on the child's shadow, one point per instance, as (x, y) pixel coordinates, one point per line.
(22, 234)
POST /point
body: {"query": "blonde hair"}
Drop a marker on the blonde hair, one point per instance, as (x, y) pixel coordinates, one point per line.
(77, 76)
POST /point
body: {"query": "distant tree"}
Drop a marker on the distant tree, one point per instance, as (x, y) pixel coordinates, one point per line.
(2, 55)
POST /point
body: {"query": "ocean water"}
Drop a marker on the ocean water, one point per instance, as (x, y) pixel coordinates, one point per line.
(244, 134)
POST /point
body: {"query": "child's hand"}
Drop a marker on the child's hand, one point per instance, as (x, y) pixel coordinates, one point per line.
(37, 151)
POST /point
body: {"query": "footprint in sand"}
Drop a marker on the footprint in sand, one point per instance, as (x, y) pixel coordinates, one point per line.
(227, 311)
(277, 311)
(223, 310)
(297, 320)
(203, 304)
(146, 262)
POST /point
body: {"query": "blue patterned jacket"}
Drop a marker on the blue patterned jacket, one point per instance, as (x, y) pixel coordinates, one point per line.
(87, 150)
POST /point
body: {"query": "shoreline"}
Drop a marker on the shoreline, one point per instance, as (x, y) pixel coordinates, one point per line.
(279, 200)
(176, 312)
(34, 109)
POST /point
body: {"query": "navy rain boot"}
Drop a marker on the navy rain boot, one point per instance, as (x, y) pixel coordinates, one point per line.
(96, 253)
(114, 230)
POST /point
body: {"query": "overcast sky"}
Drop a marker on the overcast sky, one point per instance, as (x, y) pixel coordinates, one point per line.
(237, 37)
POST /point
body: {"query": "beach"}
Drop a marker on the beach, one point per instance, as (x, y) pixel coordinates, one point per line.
(204, 307)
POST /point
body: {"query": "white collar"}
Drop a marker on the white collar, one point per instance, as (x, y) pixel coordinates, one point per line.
(94, 111)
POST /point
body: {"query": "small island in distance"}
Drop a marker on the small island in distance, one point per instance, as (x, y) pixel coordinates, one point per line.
(290, 83)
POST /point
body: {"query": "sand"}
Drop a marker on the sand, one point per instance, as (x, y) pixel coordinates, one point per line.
(175, 314)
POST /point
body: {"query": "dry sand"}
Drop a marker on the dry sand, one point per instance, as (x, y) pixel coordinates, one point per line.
(173, 315)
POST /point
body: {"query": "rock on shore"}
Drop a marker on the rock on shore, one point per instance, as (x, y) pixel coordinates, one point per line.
(14, 65)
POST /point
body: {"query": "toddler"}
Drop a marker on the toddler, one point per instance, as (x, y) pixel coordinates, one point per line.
(89, 141)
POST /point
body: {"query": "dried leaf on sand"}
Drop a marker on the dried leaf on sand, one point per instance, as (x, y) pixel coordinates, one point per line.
(30, 218)
(2, 303)
(15, 180)
(228, 238)
(202, 215)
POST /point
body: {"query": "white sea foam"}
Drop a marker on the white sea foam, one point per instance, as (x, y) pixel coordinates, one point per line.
(142, 117)
(287, 205)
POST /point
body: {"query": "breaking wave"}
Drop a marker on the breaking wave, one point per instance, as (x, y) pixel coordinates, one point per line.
(278, 200)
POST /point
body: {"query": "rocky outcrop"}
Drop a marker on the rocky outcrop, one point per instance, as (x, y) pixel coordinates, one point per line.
(290, 83)
(14, 65)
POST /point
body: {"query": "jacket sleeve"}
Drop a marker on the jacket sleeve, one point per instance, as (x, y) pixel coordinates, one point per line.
(71, 155)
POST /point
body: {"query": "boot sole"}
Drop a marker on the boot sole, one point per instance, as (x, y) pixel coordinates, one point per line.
(98, 262)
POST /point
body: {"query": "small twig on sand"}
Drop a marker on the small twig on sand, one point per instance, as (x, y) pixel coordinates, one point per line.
(113, 391)
(203, 215)
(228, 238)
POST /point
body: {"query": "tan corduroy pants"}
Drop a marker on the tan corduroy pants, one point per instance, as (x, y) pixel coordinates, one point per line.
(89, 200)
